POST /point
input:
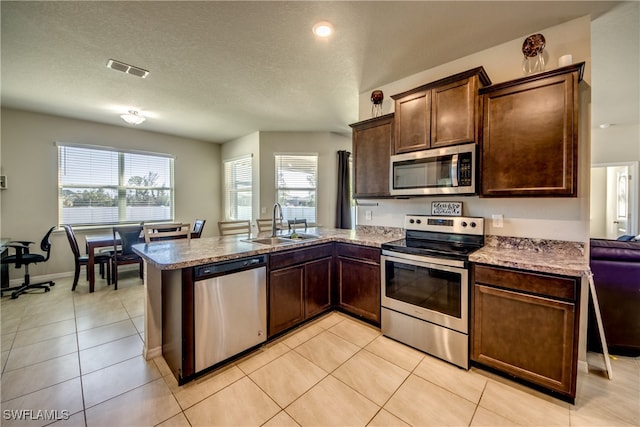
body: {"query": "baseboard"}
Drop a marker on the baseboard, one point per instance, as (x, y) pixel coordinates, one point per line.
(152, 353)
(46, 277)
(583, 366)
(43, 278)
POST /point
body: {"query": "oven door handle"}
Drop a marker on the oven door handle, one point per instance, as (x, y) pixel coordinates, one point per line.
(452, 266)
(422, 260)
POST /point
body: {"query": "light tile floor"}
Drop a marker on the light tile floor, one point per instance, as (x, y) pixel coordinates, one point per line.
(80, 354)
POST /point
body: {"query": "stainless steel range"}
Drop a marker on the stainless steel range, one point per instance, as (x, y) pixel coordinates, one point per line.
(425, 285)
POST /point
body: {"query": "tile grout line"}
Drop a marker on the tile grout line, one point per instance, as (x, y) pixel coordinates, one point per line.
(75, 318)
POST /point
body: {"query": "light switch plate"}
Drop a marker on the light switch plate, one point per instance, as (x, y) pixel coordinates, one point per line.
(498, 220)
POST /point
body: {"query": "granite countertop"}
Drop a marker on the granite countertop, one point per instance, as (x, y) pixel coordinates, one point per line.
(545, 256)
(181, 253)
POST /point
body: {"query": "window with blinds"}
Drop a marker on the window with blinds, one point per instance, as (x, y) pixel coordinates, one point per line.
(296, 186)
(101, 186)
(238, 187)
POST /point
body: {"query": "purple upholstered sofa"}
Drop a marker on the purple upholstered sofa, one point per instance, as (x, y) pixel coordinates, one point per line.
(616, 273)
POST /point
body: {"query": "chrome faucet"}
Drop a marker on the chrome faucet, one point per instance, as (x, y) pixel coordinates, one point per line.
(276, 207)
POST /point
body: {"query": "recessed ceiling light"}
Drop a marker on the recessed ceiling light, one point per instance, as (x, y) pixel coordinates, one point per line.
(323, 29)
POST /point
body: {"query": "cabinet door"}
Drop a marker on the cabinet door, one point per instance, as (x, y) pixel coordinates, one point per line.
(453, 113)
(359, 287)
(286, 302)
(413, 122)
(528, 336)
(372, 148)
(530, 140)
(317, 280)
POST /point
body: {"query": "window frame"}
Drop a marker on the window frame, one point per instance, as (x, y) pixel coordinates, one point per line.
(227, 190)
(120, 189)
(315, 189)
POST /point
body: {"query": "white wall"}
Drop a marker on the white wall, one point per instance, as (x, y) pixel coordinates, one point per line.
(598, 203)
(616, 52)
(29, 159)
(326, 145)
(549, 218)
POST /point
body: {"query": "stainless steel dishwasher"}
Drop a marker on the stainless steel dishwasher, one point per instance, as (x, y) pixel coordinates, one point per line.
(230, 309)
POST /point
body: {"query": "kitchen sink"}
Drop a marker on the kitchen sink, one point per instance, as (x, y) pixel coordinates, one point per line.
(282, 240)
(270, 241)
(300, 236)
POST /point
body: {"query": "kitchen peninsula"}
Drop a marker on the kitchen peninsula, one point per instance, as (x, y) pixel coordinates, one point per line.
(169, 267)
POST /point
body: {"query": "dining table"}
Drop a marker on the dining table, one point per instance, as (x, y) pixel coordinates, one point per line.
(103, 240)
(95, 241)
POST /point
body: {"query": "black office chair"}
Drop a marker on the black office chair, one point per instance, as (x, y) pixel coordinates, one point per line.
(102, 259)
(129, 236)
(198, 226)
(24, 257)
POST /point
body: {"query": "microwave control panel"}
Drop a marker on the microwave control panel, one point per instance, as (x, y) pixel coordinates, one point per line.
(465, 170)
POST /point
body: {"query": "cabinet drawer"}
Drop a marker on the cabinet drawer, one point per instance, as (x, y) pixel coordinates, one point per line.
(541, 284)
(298, 256)
(359, 252)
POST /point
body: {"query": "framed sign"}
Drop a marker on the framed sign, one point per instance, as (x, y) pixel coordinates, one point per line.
(446, 208)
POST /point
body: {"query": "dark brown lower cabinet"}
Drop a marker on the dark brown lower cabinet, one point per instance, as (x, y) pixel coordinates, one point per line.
(317, 281)
(358, 271)
(526, 325)
(300, 284)
(286, 298)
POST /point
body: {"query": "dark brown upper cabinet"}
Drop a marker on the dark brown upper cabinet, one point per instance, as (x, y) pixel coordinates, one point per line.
(445, 112)
(530, 135)
(372, 149)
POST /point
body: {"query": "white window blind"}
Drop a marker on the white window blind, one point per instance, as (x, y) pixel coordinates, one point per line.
(238, 188)
(296, 186)
(99, 186)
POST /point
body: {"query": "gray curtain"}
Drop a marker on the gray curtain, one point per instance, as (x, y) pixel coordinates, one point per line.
(343, 212)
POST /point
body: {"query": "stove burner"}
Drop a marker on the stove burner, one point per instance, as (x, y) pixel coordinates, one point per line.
(450, 238)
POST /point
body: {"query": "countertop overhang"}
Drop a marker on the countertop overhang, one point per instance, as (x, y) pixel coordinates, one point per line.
(183, 253)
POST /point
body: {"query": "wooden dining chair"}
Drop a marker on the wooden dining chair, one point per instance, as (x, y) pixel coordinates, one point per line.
(129, 236)
(198, 226)
(264, 224)
(293, 223)
(166, 231)
(102, 259)
(227, 228)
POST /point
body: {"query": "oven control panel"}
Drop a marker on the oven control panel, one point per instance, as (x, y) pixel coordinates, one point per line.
(445, 224)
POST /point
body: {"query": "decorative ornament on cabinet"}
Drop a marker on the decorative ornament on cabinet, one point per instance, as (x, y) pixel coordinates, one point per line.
(532, 48)
(377, 96)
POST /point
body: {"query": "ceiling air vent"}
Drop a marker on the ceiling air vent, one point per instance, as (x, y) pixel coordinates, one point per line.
(126, 68)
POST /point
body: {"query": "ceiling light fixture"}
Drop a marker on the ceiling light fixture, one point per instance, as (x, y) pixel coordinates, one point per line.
(606, 125)
(323, 29)
(133, 117)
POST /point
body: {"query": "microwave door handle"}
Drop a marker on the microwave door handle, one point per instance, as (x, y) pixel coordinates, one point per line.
(454, 170)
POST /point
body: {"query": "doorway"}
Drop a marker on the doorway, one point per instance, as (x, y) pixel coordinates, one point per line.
(614, 200)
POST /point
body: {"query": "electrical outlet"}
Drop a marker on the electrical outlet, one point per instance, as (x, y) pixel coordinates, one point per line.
(498, 220)
(367, 215)
(263, 210)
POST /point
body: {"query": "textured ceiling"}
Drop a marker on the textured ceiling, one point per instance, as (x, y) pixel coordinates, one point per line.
(221, 70)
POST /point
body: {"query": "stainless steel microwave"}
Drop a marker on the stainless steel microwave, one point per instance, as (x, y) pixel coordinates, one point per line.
(447, 170)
